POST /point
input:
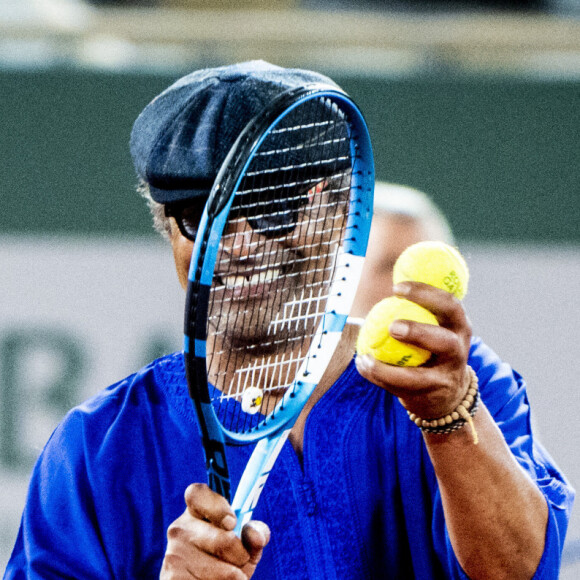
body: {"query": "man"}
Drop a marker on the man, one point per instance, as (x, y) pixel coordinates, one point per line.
(402, 216)
(358, 491)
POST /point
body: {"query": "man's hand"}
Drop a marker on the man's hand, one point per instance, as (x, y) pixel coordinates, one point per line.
(495, 514)
(202, 544)
(436, 388)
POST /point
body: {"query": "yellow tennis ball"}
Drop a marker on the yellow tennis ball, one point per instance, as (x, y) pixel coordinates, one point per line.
(374, 337)
(434, 263)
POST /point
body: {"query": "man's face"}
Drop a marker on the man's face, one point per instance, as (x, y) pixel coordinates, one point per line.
(258, 280)
(182, 248)
(267, 285)
(264, 297)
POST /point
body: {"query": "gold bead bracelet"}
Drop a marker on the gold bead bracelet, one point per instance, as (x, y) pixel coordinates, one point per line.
(462, 414)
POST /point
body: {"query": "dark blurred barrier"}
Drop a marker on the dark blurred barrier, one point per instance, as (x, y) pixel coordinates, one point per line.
(500, 156)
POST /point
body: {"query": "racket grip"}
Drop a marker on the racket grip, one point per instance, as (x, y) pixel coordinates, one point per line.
(254, 477)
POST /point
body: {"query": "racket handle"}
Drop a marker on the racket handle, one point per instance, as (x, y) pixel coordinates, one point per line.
(254, 477)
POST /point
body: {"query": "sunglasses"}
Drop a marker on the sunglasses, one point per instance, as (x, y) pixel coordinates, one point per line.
(272, 218)
(187, 216)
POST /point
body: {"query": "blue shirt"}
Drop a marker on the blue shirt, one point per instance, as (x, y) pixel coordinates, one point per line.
(363, 504)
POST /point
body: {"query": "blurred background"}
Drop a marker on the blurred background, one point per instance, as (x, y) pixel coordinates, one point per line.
(475, 102)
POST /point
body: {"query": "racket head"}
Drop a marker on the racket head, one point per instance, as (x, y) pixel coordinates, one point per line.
(276, 263)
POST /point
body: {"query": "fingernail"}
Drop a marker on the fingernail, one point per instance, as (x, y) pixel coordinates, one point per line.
(363, 362)
(401, 289)
(399, 329)
(229, 522)
(262, 529)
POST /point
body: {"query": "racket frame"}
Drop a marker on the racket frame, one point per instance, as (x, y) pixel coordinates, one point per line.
(271, 437)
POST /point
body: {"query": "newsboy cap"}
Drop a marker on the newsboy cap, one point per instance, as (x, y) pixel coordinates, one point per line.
(181, 138)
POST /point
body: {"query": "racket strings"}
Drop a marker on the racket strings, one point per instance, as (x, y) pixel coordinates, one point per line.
(276, 259)
(266, 268)
(301, 315)
(291, 317)
(310, 165)
(265, 204)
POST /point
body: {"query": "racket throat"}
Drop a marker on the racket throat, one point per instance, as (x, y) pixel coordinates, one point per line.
(253, 480)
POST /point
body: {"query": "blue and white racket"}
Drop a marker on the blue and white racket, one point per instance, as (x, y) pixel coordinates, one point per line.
(275, 266)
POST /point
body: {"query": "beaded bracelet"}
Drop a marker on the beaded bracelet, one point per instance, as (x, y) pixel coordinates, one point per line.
(457, 418)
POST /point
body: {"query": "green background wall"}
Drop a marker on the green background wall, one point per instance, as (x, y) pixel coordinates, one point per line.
(500, 156)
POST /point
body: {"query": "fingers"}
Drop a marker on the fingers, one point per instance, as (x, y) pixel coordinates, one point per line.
(255, 537)
(453, 335)
(437, 387)
(443, 304)
(212, 525)
(435, 339)
(202, 543)
(205, 504)
(195, 550)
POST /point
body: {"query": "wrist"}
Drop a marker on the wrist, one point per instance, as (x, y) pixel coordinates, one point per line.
(458, 417)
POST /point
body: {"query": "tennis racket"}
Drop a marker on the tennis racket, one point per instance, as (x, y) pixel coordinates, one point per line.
(274, 269)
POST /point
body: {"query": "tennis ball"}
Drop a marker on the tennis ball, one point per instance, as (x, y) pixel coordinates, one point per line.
(374, 337)
(434, 263)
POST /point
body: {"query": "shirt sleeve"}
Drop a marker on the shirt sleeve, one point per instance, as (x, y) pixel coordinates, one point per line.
(58, 537)
(110, 481)
(504, 393)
